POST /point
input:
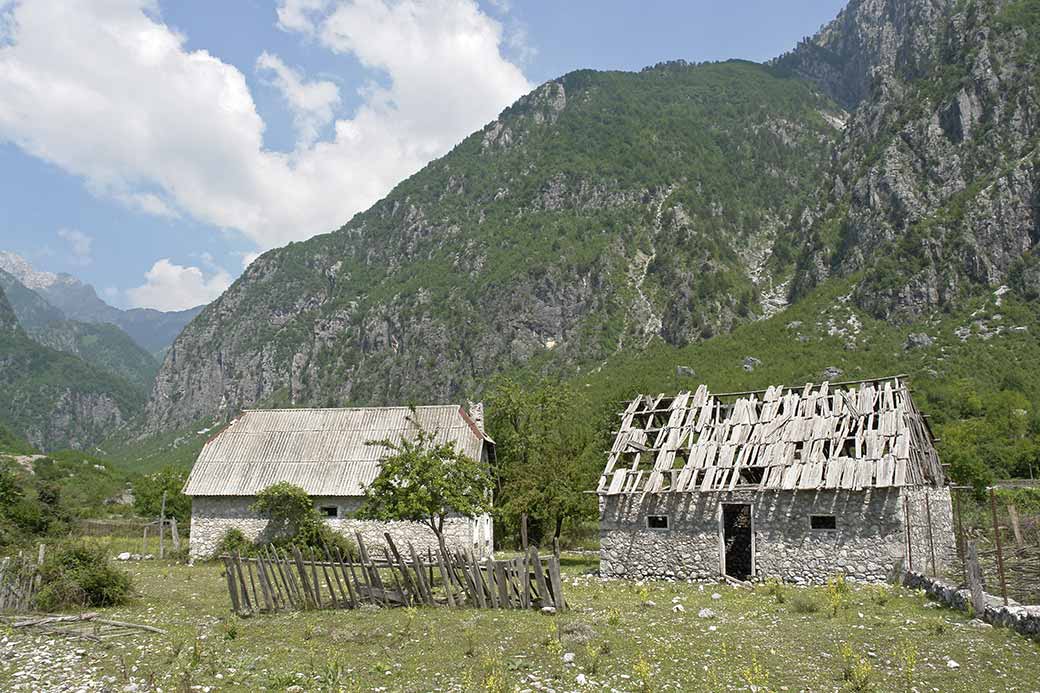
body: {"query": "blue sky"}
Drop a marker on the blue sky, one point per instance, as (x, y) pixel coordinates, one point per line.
(151, 147)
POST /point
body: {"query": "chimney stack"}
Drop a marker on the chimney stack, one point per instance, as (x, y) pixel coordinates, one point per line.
(476, 412)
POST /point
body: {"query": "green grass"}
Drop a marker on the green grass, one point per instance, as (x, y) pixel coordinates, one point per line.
(617, 642)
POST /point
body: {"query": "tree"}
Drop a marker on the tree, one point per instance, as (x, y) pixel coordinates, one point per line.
(293, 519)
(424, 481)
(148, 492)
(546, 458)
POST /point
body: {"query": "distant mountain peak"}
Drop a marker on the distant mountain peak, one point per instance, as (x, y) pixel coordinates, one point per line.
(25, 273)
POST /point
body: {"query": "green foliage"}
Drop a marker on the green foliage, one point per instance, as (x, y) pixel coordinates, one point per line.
(77, 575)
(803, 603)
(424, 481)
(37, 381)
(547, 455)
(148, 495)
(233, 541)
(293, 519)
(13, 445)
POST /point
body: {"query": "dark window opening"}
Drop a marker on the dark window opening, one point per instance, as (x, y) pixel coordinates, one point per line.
(823, 522)
(329, 511)
(752, 475)
(657, 522)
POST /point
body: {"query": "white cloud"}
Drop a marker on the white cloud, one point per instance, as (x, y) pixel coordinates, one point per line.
(175, 131)
(169, 286)
(296, 15)
(79, 245)
(311, 103)
(247, 259)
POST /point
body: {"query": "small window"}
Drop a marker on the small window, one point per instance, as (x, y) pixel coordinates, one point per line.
(657, 522)
(823, 522)
(329, 510)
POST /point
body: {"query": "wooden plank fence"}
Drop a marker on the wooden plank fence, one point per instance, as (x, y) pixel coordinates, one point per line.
(20, 580)
(298, 579)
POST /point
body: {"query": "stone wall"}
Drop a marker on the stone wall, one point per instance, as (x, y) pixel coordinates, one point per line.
(212, 516)
(869, 542)
(1024, 619)
(920, 502)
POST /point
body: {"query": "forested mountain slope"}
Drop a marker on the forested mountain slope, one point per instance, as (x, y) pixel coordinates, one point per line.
(55, 400)
(100, 344)
(878, 184)
(598, 212)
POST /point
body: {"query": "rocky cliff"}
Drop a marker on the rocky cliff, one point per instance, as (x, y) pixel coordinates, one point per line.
(55, 400)
(933, 193)
(597, 213)
(606, 211)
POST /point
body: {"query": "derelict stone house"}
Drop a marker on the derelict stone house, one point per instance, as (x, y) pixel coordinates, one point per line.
(797, 484)
(326, 452)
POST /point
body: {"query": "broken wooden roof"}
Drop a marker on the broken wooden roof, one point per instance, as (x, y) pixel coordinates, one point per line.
(324, 451)
(829, 436)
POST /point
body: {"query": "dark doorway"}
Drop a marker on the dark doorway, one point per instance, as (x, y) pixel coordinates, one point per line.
(736, 540)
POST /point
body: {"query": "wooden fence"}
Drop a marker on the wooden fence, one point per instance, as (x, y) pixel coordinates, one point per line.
(277, 580)
(20, 580)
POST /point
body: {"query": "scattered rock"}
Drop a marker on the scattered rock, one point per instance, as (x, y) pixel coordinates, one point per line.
(794, 324)
(831, 372)
(581, 679)
(918, 340)
(679, 609)
(685, 372)
(706, 613)
(548, 610)
(750, 363)
(952, 664)
(716, 596)
(125, 556)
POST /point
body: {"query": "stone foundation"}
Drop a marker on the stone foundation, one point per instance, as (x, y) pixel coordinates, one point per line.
(868, 543)
(213, 516)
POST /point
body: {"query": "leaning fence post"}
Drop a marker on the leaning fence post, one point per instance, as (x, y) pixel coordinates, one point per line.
(1000, 549)
(931, 542)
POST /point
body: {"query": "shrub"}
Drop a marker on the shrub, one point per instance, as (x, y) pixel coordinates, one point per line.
(79, 575)
(295, 520)
(802, 603)
(232, 541)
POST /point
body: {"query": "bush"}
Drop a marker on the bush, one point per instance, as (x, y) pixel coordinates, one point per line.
(295, 520)
(802, 603)
(232, 541)
(81, 575)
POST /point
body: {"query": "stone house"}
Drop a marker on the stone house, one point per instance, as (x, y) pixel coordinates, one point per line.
(326, 452)
(797, 484)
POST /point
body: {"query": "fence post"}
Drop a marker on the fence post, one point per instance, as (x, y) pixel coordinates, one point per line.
(974, 579)
(909, 538)
(162, 525)
(931, 542)
(523, 532)
(1000, 549)
(960, 532)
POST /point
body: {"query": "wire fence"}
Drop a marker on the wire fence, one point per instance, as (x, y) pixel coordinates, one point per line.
(1005, 533)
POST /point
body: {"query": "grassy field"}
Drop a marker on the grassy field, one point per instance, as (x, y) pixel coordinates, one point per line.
(618, 636)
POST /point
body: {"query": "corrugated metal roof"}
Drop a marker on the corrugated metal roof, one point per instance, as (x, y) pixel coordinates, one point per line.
(843, 435)
(324, 451)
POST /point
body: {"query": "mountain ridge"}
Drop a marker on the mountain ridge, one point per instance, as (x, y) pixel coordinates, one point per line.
(151, 329)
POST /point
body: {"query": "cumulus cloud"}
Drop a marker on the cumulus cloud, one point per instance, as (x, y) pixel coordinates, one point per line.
(107, 91)
(79, 245)
(169, 286)
(311, 103)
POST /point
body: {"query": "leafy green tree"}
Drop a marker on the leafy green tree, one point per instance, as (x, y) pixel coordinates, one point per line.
(546, 459)
(422, 480)
(294, 519)
(148, 492)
